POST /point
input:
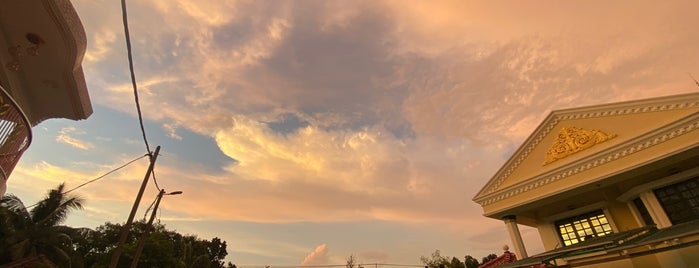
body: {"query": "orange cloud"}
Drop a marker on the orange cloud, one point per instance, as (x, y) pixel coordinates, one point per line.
(318, 256)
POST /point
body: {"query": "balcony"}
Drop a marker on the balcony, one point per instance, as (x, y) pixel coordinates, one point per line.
(15, 134)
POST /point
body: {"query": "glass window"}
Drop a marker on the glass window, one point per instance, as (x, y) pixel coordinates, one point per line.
(576, 229)
(680, 200)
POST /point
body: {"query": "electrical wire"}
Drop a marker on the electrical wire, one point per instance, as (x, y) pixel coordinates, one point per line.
(152, 173)
(131, 70)
(145, 215)
(100, 177)
(695, 80)
(105, 174)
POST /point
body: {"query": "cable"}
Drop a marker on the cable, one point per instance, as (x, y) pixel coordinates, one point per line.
(695, 80)
(152, 173)
(145, 215)
(105, 174)
(98, 178)
(131, 70)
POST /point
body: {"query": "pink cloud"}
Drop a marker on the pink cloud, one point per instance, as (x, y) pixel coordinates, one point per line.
(318, 256)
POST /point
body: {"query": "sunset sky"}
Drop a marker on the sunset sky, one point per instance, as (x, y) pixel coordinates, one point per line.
(304, 131)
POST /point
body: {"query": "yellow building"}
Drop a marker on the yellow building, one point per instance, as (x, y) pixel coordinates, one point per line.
(42, 44)
(614, 185)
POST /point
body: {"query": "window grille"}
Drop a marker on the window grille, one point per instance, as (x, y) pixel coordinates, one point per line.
(680, 200)
(579, 228)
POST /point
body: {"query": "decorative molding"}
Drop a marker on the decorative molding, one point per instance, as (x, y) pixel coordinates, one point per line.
(572, 140)
(557, 117)
(678, 129)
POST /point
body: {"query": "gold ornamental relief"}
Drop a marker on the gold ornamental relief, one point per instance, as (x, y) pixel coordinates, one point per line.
(572, 140)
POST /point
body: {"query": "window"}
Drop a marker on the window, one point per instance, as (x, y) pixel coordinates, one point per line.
(576, 229)
(643, 212)
(680, 200)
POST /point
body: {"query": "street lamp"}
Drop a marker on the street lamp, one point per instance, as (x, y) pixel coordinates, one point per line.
(142, 241)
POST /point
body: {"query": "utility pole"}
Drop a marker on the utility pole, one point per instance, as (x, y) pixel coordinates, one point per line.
(127, 226)
(149, 226)
(142, 241)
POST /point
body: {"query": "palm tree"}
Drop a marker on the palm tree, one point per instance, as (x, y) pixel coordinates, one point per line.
(37, 232)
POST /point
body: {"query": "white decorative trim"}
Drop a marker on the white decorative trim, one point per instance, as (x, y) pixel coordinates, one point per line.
(675, 130)
(556, 118)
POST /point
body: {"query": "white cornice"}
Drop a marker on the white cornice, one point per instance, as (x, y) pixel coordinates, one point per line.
(674, 130)
(490, 193)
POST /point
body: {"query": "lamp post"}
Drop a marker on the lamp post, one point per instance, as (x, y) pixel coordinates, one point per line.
(142, 241)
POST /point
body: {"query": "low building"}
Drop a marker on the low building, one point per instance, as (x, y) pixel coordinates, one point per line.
(614, 185)
(42, 43)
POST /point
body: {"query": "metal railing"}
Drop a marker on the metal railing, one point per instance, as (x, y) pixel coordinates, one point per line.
(15, 133)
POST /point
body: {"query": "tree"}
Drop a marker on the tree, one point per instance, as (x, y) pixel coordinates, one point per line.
(162, 248)
(436, 260)
(351, 261)
(471, 262)
(456, 263)
(488, 258)
(217, 251)
(37, 232)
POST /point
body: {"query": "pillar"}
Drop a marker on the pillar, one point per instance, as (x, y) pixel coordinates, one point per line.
(655, 210)
(515, 236)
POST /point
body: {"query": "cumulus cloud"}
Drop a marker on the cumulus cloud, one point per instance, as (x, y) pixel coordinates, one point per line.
(396, 100)
(381, 110)
(319, 256)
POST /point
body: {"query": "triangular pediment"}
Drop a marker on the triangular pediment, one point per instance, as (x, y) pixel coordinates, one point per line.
(573, 141)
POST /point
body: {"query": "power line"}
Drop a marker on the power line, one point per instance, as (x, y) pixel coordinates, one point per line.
(695, 80)
(152, 173)
(98, 178)
(131, 70)
(105, 174)
(145, 215)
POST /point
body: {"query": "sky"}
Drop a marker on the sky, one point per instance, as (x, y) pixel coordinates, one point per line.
(303, 132)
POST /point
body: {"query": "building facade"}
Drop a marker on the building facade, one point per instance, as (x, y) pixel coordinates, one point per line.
(42, 44)
(614, 185)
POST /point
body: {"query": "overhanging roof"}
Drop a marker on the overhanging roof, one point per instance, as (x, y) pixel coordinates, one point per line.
(42, 44)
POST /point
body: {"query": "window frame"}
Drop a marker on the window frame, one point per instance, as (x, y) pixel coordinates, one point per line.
(646, 192)
(677, 202)
(594, 223)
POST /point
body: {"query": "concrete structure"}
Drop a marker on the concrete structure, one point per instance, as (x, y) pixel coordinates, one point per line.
(42, 43)
(614, 185)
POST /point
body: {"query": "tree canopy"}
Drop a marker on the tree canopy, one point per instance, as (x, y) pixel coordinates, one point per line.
(162, 248)
(38, 232)
(436, 260)
(37, 236)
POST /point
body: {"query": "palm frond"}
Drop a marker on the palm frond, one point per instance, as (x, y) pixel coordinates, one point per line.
(54, 208)
(15, 205)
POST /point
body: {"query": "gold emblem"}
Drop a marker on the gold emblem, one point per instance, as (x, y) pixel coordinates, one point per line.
(572, 140)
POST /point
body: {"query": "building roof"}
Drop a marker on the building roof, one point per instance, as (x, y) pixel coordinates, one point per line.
(42, 44)
(577, 148)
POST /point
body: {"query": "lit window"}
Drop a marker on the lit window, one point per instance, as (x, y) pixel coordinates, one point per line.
(579, 228)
